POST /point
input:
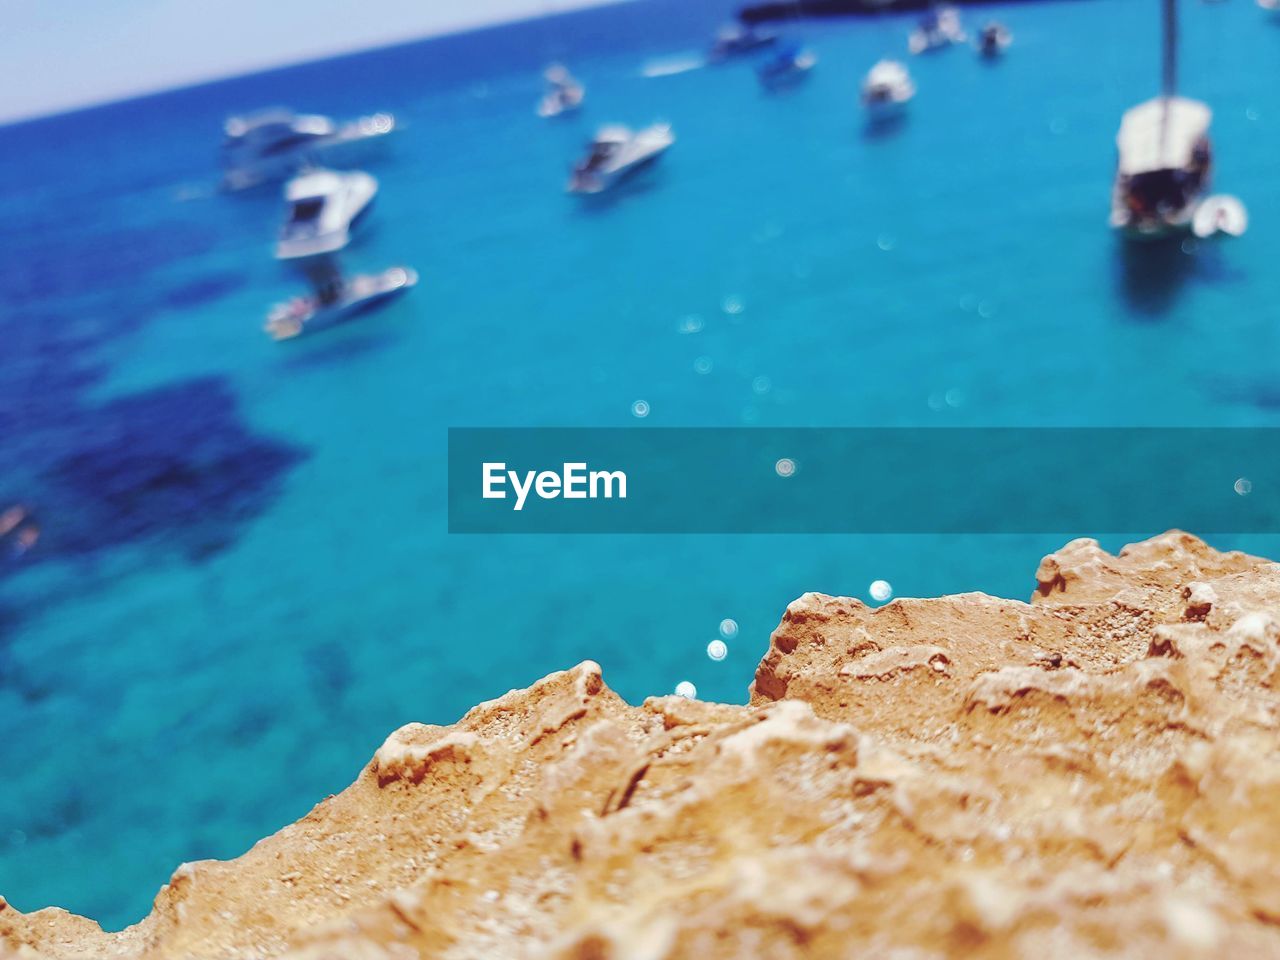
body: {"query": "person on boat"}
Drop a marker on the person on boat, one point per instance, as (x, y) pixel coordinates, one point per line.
(326, 279)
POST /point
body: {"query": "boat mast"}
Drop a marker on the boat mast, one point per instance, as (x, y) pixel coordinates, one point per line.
(1169, 67)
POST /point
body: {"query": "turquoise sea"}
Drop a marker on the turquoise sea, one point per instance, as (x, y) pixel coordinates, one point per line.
(243, 580)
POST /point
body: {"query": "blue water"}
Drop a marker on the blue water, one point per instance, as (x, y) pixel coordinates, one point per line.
(243, 580)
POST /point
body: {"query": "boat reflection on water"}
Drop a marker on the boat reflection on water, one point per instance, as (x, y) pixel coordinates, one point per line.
(1151, 275)
(886, 91)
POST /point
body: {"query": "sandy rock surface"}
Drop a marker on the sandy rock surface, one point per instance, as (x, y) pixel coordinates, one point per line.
(1093, 773)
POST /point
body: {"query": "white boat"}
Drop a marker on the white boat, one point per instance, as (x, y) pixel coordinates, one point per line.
(940, 29)
(1164, 166)
(994, 39)
(887, 89)
(323, 207)
(617, 152)
(274, 144)
(564, 93)
(340, 301)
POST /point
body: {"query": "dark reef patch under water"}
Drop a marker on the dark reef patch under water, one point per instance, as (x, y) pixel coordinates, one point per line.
(172, 460)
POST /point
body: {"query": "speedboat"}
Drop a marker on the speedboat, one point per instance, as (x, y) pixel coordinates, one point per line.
(338, 301)
(886, 90)
(1163, 172)
(790, 66)
(616, 153)
(941, 28)
(736, 39)
(564, 93)
(274, 144)
(994, 39)
(323, 207)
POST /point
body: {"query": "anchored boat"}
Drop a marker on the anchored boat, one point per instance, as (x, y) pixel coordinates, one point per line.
(564, 93)
(938, 30)
(274, 144)
(322, 209)
(886, 90)
(616, 153)
(336, 299)
(1165, 161)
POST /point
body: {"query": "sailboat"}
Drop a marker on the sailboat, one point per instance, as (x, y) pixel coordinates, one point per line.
(1165, 157)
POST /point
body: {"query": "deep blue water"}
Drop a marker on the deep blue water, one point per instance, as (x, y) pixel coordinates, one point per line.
(243, 580)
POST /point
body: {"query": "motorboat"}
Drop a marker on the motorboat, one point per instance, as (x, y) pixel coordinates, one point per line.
(339, 300)
(323, 207)
(994, 39)
(939, 29)
(271, 145)
(887, 89)
(1165, 161)
(564, 93)
(736, 39)
(790, 66)
(617, 152)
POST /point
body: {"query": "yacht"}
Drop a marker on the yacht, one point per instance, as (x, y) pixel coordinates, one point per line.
(941, 28)
(274, 144)
(323, 207)
(790, 66)
(736, 40)
(564, 93)
(1165, 161)
(887, 89)
(994, 39)
(617, 152)
(337, 299)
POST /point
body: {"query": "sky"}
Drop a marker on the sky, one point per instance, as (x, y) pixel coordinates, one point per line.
(56, 55)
